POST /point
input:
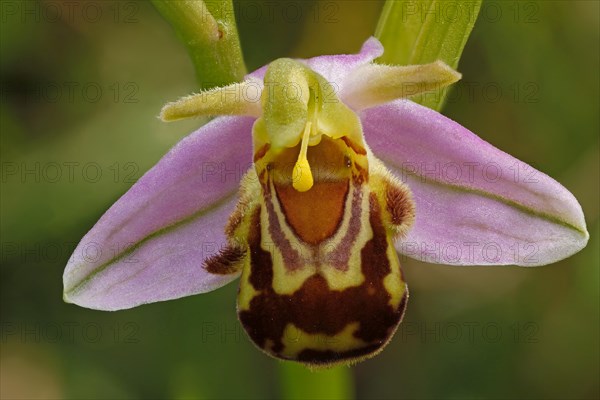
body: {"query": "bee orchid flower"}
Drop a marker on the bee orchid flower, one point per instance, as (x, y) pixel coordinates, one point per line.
(316, 174)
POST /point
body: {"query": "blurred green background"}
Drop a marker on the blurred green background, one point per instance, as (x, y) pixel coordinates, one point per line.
(82, 83)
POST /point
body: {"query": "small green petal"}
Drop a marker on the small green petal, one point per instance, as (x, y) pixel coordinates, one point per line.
(372, 85)
(423, 31)
(236, 99)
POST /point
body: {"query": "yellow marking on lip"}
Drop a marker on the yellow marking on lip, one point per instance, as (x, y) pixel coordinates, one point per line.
(246, 292)
(340, 280)
(287, 282)
(295, 340)
(393, 282)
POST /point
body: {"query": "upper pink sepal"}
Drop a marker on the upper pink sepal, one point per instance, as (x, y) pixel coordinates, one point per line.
(335, 68)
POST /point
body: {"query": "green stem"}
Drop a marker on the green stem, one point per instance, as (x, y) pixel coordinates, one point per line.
(209, 32)
(300, 383)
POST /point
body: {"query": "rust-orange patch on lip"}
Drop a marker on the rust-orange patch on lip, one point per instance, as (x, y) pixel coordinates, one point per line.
(316, 214)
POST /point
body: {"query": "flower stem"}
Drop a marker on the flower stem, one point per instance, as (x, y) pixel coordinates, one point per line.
(423, 31)
(298, 382)
(209, 32)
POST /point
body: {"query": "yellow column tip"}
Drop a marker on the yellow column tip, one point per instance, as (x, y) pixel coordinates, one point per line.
(302, 178)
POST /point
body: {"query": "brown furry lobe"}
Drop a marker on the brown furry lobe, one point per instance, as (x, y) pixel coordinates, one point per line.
(399, 205)
(226, 262)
